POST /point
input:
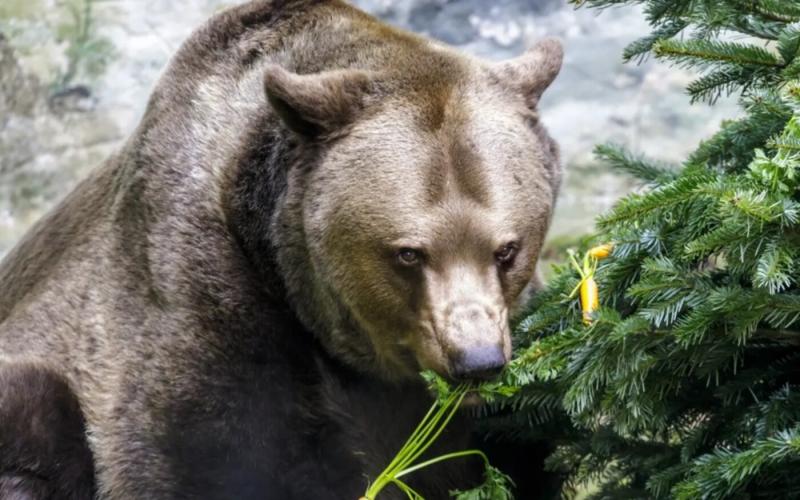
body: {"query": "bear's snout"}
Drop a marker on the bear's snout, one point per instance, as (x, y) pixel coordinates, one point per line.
(477, 342)
(479, 363)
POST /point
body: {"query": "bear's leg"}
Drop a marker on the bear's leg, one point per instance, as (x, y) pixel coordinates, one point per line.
(44, 453)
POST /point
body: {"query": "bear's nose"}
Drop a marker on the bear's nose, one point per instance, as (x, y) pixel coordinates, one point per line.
(479, 363)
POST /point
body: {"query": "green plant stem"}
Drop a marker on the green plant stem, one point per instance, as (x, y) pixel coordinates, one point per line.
(440, 458)
(422, 431)
(423, 423)
(408, 490)
(424, 435)
(441, 426)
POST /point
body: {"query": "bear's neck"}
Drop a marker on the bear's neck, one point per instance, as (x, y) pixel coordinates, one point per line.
(257, 183)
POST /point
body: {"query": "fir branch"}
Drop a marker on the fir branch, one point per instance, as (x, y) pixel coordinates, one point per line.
(785, 143)
(757, 26)
(726, 472)
(661, 483)
(638, 49)
(722, 236)
(665, 197)
(618, 158)
(792, 71)
(789, 43)
(722, 82)
(784, 310)
(784, 11)
(702, 53)
(658, 11)
(598, 4)
(733, 147)
(775, 267)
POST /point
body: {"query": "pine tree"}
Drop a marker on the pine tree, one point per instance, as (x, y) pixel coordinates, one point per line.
(686, 382)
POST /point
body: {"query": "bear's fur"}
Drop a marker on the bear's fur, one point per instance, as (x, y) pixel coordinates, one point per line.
(314, 207)
(43, 449)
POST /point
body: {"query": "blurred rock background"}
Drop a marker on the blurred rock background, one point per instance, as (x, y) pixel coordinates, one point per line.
(75, 76)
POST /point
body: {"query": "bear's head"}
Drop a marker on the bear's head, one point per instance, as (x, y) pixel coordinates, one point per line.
(410, 238)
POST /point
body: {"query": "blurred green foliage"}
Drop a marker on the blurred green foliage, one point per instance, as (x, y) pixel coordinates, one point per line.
(69, 28)
(88, 53)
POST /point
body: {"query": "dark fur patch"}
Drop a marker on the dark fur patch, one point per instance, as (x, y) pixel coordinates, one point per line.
(254, 187)
(43, 449)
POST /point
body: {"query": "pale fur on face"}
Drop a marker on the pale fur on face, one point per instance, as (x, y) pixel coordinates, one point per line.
(457, 183)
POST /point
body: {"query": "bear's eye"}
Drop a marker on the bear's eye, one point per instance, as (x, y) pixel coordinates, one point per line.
(505, 256)
(409, 257)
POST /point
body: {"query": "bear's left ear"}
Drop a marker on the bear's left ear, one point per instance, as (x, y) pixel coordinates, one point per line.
(319, 103)
(531, 73)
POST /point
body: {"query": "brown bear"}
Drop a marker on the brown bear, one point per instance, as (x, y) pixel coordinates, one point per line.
(314, 208)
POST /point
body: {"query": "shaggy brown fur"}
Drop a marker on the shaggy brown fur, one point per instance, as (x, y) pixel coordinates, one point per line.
(314, 207)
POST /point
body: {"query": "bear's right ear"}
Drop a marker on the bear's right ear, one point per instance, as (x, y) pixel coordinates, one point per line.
(532, 72)
(316, 104)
